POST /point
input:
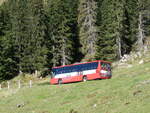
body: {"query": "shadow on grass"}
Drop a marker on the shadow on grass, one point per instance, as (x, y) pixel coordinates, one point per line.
(48, 83)
(44, 83)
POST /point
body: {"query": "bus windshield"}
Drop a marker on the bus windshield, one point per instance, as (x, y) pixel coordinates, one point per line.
(105, 66)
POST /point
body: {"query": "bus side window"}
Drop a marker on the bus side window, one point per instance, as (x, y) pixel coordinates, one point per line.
(67, 70)
(86, 66)
(78, 68)
(89, 66)
(81, 67)
(95, 65)
(70, 69)
(61, 70)
(57, 71)
(74, 68)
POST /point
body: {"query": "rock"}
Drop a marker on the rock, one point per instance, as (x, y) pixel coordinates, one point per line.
(73, 111)
(139, 54)
(127, 103)
(137, 92)
(143, 83)
(129, 66)
(94, 105)
(132, 59)
(146, 69)
(125, 56)
(20, 105)
(146, 82)
(135, 56)
(141, 61)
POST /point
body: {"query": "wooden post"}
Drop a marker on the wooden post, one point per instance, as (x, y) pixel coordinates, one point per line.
(36, 73)
(30, 83)
(19, 84)
(0, 87)
(8, 83)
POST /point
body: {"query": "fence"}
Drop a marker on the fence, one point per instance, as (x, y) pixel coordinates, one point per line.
(17, 84)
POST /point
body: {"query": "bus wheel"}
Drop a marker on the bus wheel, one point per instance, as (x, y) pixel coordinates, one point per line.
(59, 81)
(84, 79)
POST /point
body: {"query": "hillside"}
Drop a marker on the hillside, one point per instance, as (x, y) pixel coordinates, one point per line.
(127, 92)
(49, 33)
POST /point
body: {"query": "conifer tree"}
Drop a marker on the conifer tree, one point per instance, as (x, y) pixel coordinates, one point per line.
(54, 21)
(8, 64)
(143, 14)
(131, 12)
(28, 33)
(35, 34)
(87, 27)
(113, 32)
(120, 28)
(62, 18)
(37, 50)
(20, 36)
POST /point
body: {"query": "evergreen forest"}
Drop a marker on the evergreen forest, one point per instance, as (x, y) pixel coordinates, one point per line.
(36, 35)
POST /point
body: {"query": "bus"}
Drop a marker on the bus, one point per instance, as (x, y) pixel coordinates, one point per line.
(81, 72)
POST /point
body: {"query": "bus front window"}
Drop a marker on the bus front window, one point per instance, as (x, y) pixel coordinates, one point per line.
(106, 69)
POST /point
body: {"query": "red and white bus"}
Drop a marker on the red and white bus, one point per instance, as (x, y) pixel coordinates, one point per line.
(81, 72)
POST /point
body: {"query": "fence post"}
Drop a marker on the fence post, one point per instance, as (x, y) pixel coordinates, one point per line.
(36, 73)
(0, 87)
(30, 83)
(8, 83)
(19, 84)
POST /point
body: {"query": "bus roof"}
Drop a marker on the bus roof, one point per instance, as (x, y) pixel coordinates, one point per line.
(81, 63)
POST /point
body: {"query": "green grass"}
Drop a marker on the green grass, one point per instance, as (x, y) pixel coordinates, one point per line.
(127, 92)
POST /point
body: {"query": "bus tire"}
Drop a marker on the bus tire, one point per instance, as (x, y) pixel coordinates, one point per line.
(59, 81)
(84, 79)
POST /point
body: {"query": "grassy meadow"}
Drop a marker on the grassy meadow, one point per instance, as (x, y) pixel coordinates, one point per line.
(127, 92)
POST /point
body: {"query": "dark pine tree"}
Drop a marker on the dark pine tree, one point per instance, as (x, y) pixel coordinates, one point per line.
(113, 30)
(8, 64)
(63, 30)
(37, 49)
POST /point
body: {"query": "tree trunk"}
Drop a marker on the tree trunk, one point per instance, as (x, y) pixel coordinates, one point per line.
(141, 32)
(119, 53)
(91, 6)
(118, 40)
(88, 29)
(63, 60)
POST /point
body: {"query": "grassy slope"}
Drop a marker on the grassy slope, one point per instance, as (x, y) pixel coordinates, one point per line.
(127, 92)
